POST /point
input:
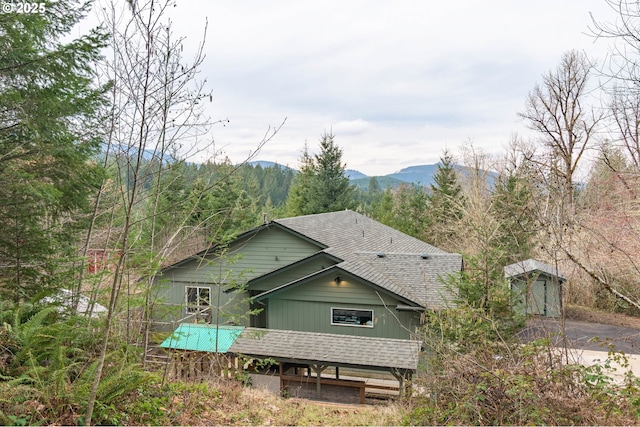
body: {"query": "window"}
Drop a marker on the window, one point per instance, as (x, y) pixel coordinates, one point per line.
(198, 298)
(352, 317)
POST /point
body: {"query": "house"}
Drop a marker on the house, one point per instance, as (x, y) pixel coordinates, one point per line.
(331, 273)
(85, 306)
(539, 286)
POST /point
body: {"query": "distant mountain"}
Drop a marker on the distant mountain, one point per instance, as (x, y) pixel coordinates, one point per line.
(422, 175)
(419, 175)
(353, 174)
(268, 164)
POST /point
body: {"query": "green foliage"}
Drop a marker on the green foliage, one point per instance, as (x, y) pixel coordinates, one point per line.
(510, 383)
(430, 215)
(479, 314)
(48, 133)
(382, 210)
(268, 185)
(478, 373)
(49, 363)
(446, 192)
(48, 360)
(330, 190)
(218, 203)
(446, 203)
(321, 186)
(298, 197)
(515, 209)
(405, 209)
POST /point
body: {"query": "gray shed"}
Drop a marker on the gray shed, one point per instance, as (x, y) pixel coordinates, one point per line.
(539, 285)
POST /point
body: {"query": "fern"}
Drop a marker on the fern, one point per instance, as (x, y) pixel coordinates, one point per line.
(52, 359)
(119, 379)
(24, 330)
(24, 379)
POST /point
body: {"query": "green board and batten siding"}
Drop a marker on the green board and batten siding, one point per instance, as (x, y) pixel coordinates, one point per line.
(308, 308)
(295, 278)
(251, 257)
(262, 253)
(226, 307)
(287, 275)
(539, 297)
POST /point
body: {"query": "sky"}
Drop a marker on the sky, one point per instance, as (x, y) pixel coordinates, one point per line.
(396, 81)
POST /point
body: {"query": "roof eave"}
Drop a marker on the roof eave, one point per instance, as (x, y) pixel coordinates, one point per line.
(305, 279)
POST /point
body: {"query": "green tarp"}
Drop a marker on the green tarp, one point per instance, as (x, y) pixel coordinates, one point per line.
(199, 337)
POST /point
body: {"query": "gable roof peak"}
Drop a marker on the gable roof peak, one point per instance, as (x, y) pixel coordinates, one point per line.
(379, 254)
(529, 266)
(353, 232)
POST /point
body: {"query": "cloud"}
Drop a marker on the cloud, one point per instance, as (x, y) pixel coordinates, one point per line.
(351, 127)
(396, 81)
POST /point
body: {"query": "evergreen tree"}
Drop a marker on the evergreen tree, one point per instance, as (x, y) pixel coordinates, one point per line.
(321, 186)
(367, 198)
(298, 199)
(410, 210)
(374, 187)
(446, 193)
(514, 208)
(382, 209)
(445, 201)
(276, 183)
(220, 205)
(331, 190)
(48, 134)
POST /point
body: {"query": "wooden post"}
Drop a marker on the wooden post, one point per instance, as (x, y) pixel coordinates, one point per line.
(282, 385)
(192, 368)
(401, 380)
(318, 370)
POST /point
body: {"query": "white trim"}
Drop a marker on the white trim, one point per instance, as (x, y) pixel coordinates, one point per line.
(355, 325)
(194, 309)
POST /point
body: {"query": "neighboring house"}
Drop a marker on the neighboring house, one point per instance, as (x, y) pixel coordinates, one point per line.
(539, 285)
(85, 306)
(337, 273)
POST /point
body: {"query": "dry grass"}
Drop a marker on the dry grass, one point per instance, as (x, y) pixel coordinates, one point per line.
(575, 312)
(239, 406)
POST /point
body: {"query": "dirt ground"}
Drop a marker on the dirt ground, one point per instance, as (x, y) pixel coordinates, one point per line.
(591, 315)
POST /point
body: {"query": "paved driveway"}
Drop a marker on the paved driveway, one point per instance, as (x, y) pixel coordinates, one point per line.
(588, 342)
(584, 335)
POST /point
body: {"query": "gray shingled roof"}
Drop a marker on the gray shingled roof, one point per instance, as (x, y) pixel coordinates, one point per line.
(420, 278)
(354, 232)
(531, 266)
(410, 267)
(340, 350)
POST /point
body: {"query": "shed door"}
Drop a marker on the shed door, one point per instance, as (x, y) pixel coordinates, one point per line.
(538, 298)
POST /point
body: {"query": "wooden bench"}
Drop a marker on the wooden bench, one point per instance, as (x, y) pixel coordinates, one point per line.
(303, 379)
